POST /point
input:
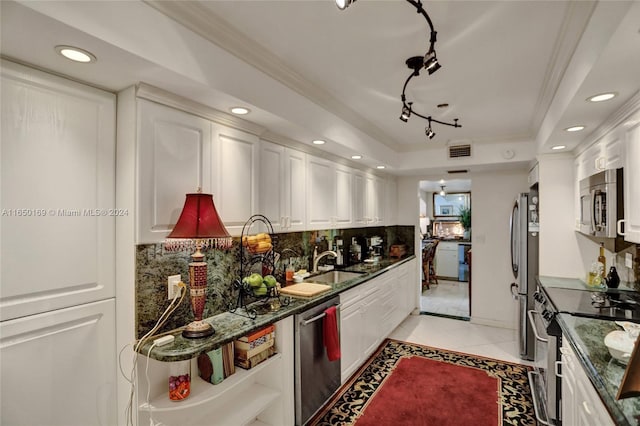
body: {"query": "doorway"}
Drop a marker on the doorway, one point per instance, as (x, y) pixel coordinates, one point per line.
(446, 285)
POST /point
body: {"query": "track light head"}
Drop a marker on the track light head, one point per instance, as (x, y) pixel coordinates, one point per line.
(431, 62)
(343, 4)
(406, 112)
(429, 132)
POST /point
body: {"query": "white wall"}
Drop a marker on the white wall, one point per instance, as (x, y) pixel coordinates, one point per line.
(560, 251)
(492, 197)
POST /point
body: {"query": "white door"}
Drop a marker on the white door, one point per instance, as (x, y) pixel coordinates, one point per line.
(58, 193)
(59, 367)
(344, 197)
(296, 190)
(359, 199)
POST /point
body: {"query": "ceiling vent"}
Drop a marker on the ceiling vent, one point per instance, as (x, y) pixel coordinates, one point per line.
(458, 151)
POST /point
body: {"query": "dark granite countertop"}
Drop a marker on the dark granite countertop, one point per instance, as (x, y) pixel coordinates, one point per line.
(586, 336)
(230, 326)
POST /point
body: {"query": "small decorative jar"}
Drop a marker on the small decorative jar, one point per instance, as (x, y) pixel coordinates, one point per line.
(179, 380)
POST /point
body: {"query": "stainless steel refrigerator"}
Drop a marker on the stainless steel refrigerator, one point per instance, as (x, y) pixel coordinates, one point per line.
(524, 264)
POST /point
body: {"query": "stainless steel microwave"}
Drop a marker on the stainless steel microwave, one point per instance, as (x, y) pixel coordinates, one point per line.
(601, 203)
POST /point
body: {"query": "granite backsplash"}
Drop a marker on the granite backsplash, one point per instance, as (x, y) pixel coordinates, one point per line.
(154, 264)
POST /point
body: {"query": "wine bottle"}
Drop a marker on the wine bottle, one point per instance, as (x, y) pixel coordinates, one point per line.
(603, 260)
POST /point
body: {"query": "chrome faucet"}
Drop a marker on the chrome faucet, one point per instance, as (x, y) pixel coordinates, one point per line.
(317, 257)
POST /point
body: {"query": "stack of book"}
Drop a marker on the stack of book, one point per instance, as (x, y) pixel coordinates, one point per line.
(216, 365)
(255, 347)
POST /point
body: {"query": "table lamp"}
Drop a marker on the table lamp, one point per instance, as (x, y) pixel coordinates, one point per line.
(199, 227)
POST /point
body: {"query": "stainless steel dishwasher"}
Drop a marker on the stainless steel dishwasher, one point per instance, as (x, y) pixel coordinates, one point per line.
(316, 378)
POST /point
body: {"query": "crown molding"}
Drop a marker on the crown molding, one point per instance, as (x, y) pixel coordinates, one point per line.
(161, 96)
(613, 121)
(201, 20)
(575, 21)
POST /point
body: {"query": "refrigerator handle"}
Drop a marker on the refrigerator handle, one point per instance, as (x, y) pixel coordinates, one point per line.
(514, 212)
(514, 294)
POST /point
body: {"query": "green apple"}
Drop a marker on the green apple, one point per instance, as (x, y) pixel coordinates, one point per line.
(255, 280)
(270, 281)
(260, 291)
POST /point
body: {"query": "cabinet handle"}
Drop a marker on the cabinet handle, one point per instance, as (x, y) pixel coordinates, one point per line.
(586, 408)
(564, 351)
(558, 364)
(600, 163)
(619, 226)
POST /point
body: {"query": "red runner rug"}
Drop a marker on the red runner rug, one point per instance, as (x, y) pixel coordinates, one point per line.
(408, 384)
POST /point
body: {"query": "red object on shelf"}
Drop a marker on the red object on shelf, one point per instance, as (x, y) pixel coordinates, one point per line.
(199, 219)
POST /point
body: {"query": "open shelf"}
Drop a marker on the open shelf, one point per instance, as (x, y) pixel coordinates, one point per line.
(203, 392)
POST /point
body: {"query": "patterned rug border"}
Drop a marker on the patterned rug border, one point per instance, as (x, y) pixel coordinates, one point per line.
(462, 355)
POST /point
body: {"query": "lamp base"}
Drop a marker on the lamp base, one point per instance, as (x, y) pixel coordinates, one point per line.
(197, 330)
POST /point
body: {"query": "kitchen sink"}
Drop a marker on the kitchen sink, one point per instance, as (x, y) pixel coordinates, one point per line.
(333, 277)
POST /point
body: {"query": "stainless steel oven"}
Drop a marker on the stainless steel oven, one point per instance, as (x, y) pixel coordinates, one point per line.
(601, 203)
(545, 385)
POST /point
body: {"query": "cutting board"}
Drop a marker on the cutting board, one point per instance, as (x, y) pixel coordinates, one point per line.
(305, 289)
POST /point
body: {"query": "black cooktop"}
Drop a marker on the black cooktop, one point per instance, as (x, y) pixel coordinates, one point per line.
(610, 305)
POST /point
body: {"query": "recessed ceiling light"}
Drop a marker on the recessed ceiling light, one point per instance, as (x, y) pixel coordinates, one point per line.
(557, 147)
(76, 54)
(574, 128)
(240, 110)
(381, 167)
(602, 97)
(318, 142)
(356, 157)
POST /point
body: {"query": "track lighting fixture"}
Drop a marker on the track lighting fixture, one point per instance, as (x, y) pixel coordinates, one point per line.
(416, 63)
(442, 191)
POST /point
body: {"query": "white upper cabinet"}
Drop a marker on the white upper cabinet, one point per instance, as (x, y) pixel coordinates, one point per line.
(391, 203)
(359, 199)
(235, 176)
(282, 186)
(321, 195)
(632, 179)
(58, 192)
(295, 190)
(174, 151)
(344, 197)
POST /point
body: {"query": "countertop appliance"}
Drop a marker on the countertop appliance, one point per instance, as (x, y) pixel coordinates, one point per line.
(601, 203)
(524, 264)
(612, 304)
(316, 378)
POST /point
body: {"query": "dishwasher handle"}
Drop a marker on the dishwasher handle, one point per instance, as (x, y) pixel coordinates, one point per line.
(317, 317)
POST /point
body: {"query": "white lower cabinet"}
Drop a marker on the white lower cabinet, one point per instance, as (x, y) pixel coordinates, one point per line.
(371, 311)
(262, 395)
(581, 405)
(446, 260)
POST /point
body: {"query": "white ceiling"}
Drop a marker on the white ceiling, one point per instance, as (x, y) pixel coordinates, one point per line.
(514, 72)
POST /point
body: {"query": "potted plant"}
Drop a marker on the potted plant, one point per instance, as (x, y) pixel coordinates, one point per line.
(465, 221)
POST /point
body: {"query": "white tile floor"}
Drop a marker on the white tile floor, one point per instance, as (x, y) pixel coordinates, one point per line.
(461, 336)
(447, 298)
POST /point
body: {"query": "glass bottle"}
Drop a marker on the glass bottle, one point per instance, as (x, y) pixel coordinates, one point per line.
(603, 260)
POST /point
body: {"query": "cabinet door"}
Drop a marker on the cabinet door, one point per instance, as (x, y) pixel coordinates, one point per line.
(235, 175)
(59, 367)
(371, 317)
(273, 163)
(446, 260)
(359, 199)
(391, 204)
(371, 194)
(173, 160)
(350, 339)
(632, 181)
(379, 208)
(296, 190)
(321, 196)
(57, 168)
(568, 390)
(344, 197)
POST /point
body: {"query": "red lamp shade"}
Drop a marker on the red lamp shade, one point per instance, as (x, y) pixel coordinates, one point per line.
(199, 219)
